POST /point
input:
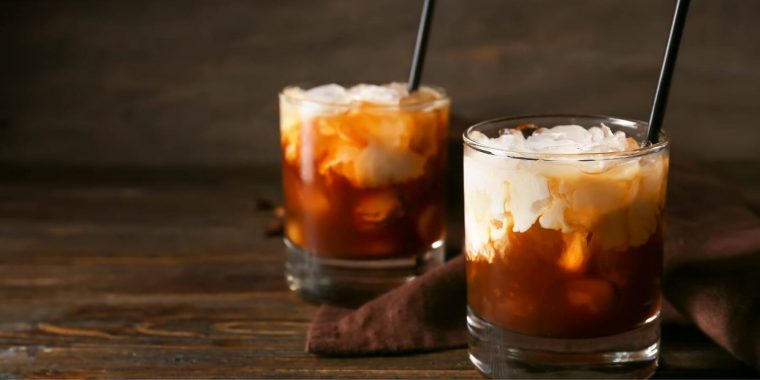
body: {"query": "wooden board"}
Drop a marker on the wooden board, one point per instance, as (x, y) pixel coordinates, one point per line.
(195, 82)
(140, 273)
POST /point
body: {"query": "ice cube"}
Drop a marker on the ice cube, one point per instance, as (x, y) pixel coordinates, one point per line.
(328, 93)
(576, 251)
(562, 139)
(390, 129)
(378, 165)
(388, 94)
(377, 210)
(425, 133)
(340, 160)
(329, 99)
(511, 140)
(313, 201)
(593, 296)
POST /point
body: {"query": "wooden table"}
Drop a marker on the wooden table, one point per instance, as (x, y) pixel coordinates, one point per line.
(127, 273)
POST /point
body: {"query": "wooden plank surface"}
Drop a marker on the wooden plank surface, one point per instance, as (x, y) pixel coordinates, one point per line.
(136, 137)
(195, 82)
(125, 273)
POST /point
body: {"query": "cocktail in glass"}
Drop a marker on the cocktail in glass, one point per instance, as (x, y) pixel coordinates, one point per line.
(564, 245)
(363, 172)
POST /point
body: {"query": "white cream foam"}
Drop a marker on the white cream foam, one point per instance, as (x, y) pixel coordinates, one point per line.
(619, 200)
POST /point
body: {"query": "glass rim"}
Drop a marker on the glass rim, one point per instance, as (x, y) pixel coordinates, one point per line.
(444, 98)
(662, 143)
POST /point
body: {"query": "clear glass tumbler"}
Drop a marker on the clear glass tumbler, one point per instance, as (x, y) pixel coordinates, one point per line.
(564, 253)
(364, 193)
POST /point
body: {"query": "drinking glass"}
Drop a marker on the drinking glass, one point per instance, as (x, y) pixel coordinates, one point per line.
(564, 253)
(364, 193)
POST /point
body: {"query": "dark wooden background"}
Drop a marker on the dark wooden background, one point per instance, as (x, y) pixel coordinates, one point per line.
(187, 82)
(137, 136)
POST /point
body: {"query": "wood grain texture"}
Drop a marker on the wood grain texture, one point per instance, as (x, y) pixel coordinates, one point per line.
(137, 136)
(194, 82)
(126, 273)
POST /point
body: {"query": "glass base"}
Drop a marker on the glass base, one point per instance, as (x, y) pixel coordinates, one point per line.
(498, 353)
(353, 282)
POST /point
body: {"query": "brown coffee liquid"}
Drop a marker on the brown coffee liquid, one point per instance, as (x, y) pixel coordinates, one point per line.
(328, 215)
(556, 285)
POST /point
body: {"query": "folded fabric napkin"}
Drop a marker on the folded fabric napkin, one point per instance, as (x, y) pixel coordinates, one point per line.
(711, 278)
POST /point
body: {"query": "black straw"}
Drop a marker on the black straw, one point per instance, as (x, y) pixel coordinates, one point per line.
(666, 73)
(421, 46)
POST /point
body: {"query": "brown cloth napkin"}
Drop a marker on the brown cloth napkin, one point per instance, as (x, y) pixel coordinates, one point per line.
(712, 277)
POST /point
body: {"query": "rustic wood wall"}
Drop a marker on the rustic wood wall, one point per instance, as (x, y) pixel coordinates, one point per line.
(189, 82)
